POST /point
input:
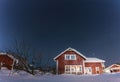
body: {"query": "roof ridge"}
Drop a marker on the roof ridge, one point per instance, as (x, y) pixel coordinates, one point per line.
(69, 48)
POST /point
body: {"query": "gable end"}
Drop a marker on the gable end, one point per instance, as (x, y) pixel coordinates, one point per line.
(70, 49)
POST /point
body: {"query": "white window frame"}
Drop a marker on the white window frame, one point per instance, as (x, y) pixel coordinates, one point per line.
(66, 58)
(74, 57)
(97, 69)
(75, 68)
(66, 68)
(70, 56)
(80, 69)
(88, 70)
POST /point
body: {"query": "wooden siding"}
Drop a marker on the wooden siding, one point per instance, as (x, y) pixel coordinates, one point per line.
(62, 62)
(115, 68)
(93, 66)
(6, 61)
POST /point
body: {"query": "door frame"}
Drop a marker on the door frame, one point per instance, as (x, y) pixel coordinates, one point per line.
(87, 70)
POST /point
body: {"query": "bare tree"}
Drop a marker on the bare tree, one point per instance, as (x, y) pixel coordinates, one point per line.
(37, 59)
(25, 53)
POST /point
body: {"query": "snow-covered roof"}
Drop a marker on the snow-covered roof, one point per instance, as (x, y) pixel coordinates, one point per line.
(9, 56)
(94, 60)
(2, 53)
(71, 50)
(112, 66)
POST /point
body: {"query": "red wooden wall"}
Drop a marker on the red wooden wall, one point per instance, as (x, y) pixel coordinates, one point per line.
(94, 65)
(62, 62)
(6, 61)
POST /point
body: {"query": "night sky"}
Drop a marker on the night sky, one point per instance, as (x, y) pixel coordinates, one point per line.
(90, 26)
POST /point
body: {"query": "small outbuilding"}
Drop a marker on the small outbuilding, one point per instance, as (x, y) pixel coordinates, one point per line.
(7, 60)
(112, 68)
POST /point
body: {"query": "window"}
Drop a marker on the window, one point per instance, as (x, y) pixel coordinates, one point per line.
(90, 70)
(70, 57)
(67, 57)
(73, 57)
(73, 68)
(67, 68)
(79, 68)
(97, 70)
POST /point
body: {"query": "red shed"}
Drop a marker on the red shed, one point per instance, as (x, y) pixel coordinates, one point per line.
(71, 61)
(113, 68)
(6, 60)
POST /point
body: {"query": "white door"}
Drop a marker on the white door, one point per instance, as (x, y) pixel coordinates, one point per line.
(88, 70)
(97, 70)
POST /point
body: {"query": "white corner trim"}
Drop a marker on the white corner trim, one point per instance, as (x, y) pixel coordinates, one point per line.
(56, 66)
(83, 67)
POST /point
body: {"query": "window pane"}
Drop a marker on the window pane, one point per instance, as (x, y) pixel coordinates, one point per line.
(72, 68)
(67, 57)
(73, 57)
(67, 68)
(80, 69)
(90, 70)
(97, 68)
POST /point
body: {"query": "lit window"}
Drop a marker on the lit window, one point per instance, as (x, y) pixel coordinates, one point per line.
(67, 68)
(73, 68)
(79, 68)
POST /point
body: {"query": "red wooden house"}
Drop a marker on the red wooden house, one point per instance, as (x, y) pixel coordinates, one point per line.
(112, 68)
(7, 60)
(71, 61)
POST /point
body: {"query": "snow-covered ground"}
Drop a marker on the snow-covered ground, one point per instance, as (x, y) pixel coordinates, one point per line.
(25, 77)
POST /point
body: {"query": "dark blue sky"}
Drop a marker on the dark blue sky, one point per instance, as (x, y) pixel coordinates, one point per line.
(90, 26)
